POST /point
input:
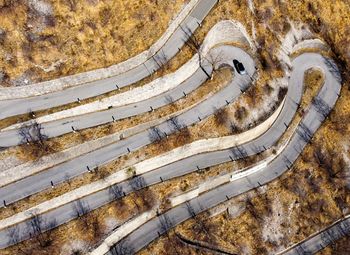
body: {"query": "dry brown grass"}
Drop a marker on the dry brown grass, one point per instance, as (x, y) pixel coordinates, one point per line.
(83, 35)
(313, 81)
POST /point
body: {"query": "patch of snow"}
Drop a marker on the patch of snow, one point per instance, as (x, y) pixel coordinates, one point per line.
(176, 200)
(110, 224)
(236, 210)
(123, 231)
(253, 31)
(2, 76)
(267, 102)
(296, 34)
(347, 161)
(51, 67)
(41, 7)
(72, 246)
(234, 207)
(22, 80)
(263, 189)
(251, 6)
(310, 44)
(272, 229)
(245, 250)
(8, 56)
(9, 162)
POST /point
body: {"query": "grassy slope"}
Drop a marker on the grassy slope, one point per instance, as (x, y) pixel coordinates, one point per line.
(84, 35)
(326, 201)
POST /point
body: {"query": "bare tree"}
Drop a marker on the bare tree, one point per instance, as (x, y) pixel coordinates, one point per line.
(169, 99)
(304, 132)
(214, 59)
(139, 187)
(155, 135)
(326, 238)
(241, 113)
(72, 4)
(332, 163)
(161, 60)
(81, 208)
(137, 183)
(90, 221)
(14, 238)
(122, 248)
(287, 161)
(233, 128)
(175, 124)
(77, 251)
(190, 209)
(321, 106)
(36, 141)
(165, 223)
(32, 133)
(333, 68)
(116, 192)
(344, 227)
(251, 208)
(3, 35)
(239, 152)
(13, 235)
(95, 226)
(301, 251)
(221, 116)
(39, 229)
(194, 44)
(197, 219)
(183, 137)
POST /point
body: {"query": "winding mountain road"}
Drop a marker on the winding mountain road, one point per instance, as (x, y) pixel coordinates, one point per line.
(60, 173)
(310, 123)
(306, 128)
